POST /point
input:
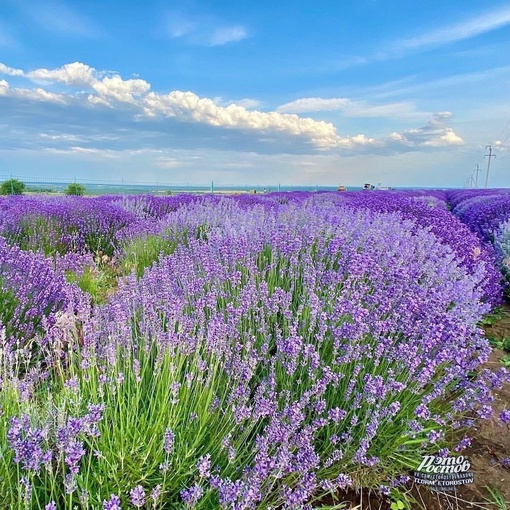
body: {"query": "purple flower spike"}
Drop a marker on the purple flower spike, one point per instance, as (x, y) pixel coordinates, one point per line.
(112, 504)
(137, 496)
(505, 416)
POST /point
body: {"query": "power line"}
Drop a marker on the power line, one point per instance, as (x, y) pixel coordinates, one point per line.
(503, 130)
(489, 156)
(476, 172)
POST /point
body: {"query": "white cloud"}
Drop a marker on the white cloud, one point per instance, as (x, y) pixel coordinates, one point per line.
(480, 24)
(226, 35)
(83, 76)
(59, 137)
(85, 151)
(75, 75)
(248, 103)
(500, 145)
(351, 108)
(202, 29)
(121, 90)
(10, 71)
(270, 131)
(4, 87)
(36, 94)
(96, 100)
(435, 134)
(313, 104)
(189, 106)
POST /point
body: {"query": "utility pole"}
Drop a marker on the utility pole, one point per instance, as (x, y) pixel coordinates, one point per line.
(490, 155)
(477, 170)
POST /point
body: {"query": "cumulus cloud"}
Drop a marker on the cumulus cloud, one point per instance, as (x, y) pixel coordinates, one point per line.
(82, 76)
(10, 71)
(4, 87)
(435, 134)
(191, 107)
(36, 94)
(131, 101)
(75, 75)
(121, 90)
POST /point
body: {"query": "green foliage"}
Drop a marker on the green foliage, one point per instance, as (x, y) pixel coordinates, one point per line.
(145, 392)
(40, 189)
(503, 344)
(8, 304)
(12, 187)
(75, 189)
(140, 253)
(497, 499)
(492, 318)
(98, 281)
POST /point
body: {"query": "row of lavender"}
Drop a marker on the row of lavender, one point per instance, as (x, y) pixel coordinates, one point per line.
(487, 214)
(247, 352)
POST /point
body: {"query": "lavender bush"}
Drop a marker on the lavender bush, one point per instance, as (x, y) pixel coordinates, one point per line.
(31, 297)
(487, 214)
(62, 225)
(281, 350)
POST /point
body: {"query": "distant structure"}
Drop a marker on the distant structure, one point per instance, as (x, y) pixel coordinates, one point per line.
(341, 188)
(369, 187)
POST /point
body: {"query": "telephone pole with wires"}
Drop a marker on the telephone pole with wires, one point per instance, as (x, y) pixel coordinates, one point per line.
(476, 172)
(489, 156)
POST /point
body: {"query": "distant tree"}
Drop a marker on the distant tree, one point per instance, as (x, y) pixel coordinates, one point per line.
(75, 189)
(12, 187)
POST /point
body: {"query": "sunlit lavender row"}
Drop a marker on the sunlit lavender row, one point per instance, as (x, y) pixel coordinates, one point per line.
(243, 352)
(487, 214)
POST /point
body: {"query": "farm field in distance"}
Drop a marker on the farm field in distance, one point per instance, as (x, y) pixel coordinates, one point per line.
(289, 350)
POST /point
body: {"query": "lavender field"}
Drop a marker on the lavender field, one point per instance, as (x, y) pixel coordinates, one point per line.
(242, 352)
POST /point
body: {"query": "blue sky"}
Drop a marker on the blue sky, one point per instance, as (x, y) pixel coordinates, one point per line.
(405, 93)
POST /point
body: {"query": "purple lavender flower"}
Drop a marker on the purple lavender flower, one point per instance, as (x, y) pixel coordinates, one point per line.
(112, 504)
(168, 441)
(192, 495)
(505, 416)
(74, 451)
(27, 490)
(384, 490)
(463, 444)
(27, 443)
(343, 481)
(137, 496)
(156, 494)
(204, 466)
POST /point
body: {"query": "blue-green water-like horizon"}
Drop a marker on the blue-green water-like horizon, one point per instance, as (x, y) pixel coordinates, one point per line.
(107, 188)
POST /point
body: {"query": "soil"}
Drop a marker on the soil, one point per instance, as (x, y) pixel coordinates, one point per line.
(490, 446)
